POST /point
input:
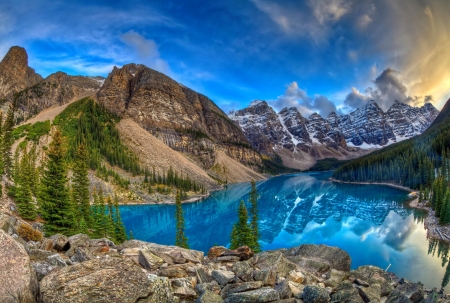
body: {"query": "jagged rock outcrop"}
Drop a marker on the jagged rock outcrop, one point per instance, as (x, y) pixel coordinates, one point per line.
(183, 119)
(57, 89)
(300, 141)
(15, 75)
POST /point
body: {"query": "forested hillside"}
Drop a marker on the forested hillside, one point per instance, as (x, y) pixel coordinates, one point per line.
(413, 163)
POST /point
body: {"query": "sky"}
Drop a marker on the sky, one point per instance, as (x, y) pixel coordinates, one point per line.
(317, 55)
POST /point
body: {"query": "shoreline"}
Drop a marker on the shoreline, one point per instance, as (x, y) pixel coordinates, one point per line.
(376, 183)
(431, 223)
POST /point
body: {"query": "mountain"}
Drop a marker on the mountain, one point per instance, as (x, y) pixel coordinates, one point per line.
(301, 141)
(413, 162)
(183, 119)
(15, 74)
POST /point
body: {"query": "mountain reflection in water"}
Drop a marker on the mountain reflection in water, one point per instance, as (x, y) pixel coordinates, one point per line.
(372, 223)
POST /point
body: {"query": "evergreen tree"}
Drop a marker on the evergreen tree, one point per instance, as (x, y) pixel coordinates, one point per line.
(254, 217)
(80, 185)
(7, 141)
(242, 234)
(120, 231)
(181, 240)
(54, 196)
(23, 187)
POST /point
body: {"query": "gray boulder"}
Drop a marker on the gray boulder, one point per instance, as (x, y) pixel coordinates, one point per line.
(99, 280)
(60, 242)
(261, 295)
(223, 276)
(373, 275)
(17, 277)
(346, 292)
(240, 287)
(319, 258)
(315, 294)
(209, 297)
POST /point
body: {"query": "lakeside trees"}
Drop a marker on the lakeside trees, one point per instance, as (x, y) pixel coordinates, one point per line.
(245, 232)
(180, 240)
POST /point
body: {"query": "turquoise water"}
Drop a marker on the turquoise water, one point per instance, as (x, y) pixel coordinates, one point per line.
(372, 223)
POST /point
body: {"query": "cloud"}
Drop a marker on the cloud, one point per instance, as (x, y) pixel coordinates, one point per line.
(363, 21)
(329, 10)
(294, 96)
(355, 99)
(388, 87)
(147, 51)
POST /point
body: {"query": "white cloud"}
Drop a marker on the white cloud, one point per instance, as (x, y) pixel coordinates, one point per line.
(294, 96)
(363, 21)
(329, 10)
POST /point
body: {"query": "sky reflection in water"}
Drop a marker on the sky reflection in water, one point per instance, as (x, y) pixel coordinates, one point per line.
(372, 223)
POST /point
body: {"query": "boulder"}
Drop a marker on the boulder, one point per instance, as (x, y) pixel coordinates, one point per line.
(159, 291)
(296, 289)
(316, 257)
(334, 277)
(47, 244)
(413, 291)
(220, 252)
(211, 286)
(184, 287)
(223, 276)
(82, 254)
(432, 297)
(240, 287)
(284, 290)
(7, 223)
(371, 293)
(275, 260)
(267, 276)
(99, 280)
(295, 276)
(174, 271)
(243, 270)
(397, 297)
(346, 292)
(203, 274)
(17, 277)
(315, 294)
(188, 254)
(149, 261)
(60, 242)
(373, 275)
(209, 297)
(262, 295)
(75, 241)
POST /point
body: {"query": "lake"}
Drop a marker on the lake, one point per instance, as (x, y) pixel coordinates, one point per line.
(373, 223)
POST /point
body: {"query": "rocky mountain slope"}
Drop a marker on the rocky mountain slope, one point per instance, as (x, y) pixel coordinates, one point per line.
(301, 141)
(15, 75)
(32, 93)
(183, 119)
(80, 269)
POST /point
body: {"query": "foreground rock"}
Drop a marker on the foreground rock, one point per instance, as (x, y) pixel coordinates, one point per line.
(17, 278)
(102, 280)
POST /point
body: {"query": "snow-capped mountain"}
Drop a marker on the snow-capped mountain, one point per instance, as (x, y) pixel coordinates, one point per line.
(300, 141)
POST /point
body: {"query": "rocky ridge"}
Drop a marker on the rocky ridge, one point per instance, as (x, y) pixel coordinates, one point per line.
(301, 141)
(183, 119)
(79, 269)
(15, 74)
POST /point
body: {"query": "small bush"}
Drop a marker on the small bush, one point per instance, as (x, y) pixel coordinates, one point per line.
(28, 233)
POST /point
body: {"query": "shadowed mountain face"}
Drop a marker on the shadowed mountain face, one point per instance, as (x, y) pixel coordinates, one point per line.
(185, 120)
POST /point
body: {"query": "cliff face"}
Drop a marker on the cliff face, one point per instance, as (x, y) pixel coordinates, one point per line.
(57, 89)
(183, 119)
(15, 75)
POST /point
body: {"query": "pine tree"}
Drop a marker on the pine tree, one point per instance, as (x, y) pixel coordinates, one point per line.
(181, 240)
(80, 185)
(7, 141)
(254, 217)
(242, 233)
(120, 231)
(54, 196)
(23, 187)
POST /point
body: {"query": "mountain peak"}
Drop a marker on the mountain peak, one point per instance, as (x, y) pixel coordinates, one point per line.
(16, 57)
(257, 102)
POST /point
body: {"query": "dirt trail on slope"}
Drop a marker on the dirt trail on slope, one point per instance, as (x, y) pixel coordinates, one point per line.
(153, 152)
(233, 171)
(51, 112)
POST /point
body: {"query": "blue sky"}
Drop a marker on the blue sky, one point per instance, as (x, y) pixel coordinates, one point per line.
(318, 55)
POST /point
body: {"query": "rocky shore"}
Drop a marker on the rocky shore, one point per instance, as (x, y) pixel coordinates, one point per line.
(79, 269)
